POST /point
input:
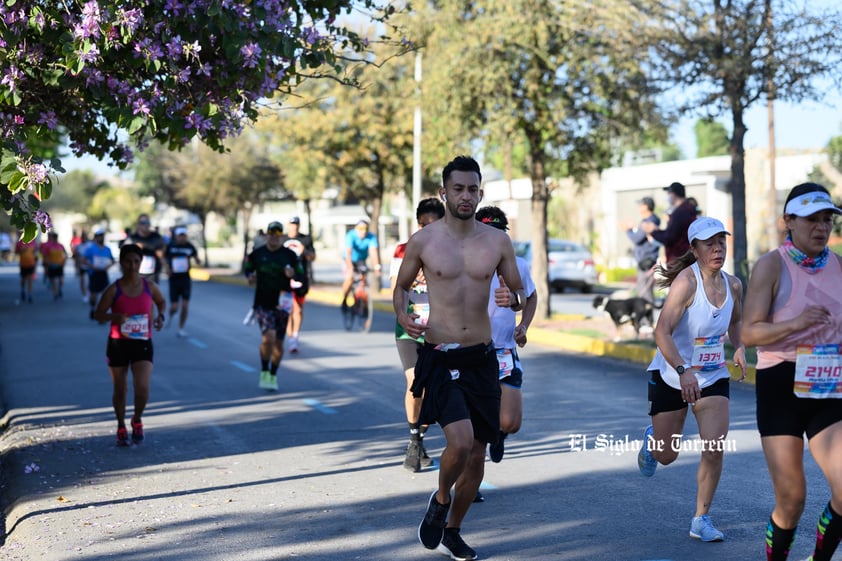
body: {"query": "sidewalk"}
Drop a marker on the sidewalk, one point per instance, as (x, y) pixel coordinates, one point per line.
(575, 334)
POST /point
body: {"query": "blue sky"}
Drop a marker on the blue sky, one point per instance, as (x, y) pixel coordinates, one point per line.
(806, 125)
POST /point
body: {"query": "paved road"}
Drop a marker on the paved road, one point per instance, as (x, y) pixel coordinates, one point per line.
(314, 471)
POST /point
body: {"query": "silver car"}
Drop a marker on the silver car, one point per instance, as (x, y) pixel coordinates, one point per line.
(568, 263)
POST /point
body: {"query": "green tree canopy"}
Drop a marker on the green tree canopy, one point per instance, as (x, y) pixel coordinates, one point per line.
(560, 76)
(712, 138)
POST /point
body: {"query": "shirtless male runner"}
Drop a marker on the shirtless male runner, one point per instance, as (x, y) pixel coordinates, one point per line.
(457, 367)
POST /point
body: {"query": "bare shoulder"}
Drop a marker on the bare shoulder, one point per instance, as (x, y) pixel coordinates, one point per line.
(493, 234)
(768, 267)
(684, 286)
(735, 283)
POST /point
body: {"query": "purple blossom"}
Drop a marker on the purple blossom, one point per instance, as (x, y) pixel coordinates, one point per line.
(43, 219)
(89, 55)
(49, 119)
(129, 19)
(39, 21)
(174, 48)
(183, 75)
(13, 74)
(141, 107)
(251, 54)
(196, 121)
(95, 78)
(174, 6)
(89, 26)
(19, 120)
(310, 35)
(37, 173)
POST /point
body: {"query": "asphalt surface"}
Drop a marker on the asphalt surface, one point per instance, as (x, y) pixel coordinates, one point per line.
(314, 471)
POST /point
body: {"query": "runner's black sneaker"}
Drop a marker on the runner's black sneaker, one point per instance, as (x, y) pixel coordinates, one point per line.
(479, 498)
(432, 526)
(496, 449)
(412, 461)
(452, 544)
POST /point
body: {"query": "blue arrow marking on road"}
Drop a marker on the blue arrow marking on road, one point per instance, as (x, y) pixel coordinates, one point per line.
(243, 366)
(196, 343)
(487, 486)
(315, 404)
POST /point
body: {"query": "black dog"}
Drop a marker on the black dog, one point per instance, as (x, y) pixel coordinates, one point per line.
(629, 310)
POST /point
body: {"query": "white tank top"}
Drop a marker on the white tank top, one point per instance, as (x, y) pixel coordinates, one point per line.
(700, 320)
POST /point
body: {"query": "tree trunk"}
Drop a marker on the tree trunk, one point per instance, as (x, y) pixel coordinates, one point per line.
(738, 197)
(246, 222)
(308, 210)
(540, 196)
(376, 208)
(203, 218)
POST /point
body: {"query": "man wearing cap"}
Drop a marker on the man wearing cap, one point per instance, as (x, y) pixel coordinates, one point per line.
(152, 244)
(302, 246)
(177, 256)
(359, 244)
(674, 237)
(97, 259)
(270, 268)
(645, 250)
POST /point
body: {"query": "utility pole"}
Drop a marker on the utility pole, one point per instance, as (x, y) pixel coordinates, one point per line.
(416, 139)
(772, 195)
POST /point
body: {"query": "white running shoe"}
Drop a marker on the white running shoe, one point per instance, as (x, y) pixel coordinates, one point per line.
(292, 346)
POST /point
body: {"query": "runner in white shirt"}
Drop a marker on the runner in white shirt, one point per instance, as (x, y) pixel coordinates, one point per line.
(703, 306)
(507, 334)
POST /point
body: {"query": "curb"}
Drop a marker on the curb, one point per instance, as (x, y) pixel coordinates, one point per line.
(565, 341)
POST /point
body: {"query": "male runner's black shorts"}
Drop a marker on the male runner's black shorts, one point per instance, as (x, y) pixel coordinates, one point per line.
(123, 352)
(179, 288)
(98, 281)
(27, 271)
(781, 412)
(272, 319)
(55, 272)
(459, 384)
(664, 398)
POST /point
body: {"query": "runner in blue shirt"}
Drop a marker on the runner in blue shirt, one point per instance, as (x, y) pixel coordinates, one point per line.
(359, 243)
(97, 258)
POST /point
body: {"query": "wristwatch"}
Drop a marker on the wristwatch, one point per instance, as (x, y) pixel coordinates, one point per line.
(680, 369)
(516, 303)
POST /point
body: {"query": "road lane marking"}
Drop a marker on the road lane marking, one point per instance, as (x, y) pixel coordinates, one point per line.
(243, 366)
(321, 407)
(196, 343)
(486, 485)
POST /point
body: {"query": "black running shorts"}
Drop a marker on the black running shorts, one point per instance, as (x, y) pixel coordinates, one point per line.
(781, 412)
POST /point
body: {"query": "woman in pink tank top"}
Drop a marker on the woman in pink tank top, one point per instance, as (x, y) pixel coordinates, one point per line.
(793, 315)
(128, 305)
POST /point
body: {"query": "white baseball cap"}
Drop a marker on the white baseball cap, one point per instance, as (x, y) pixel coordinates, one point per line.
(811, 203)
(704, 228)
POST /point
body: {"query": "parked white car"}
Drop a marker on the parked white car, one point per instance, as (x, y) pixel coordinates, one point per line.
(568, 264)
